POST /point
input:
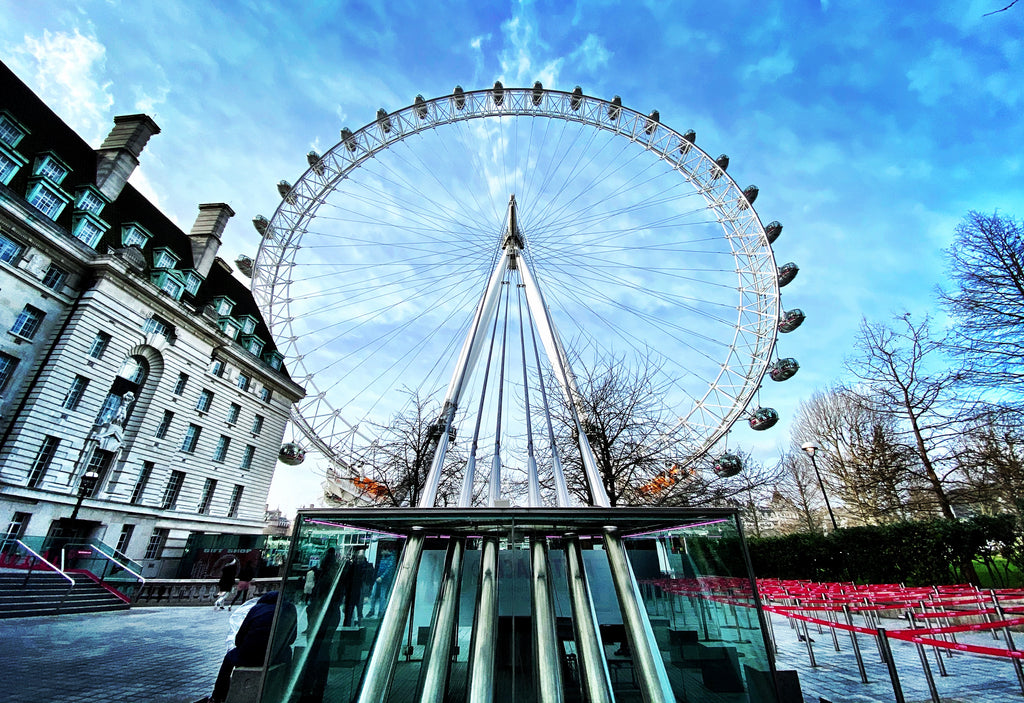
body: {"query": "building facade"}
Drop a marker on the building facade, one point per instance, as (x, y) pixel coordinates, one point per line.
(142, 399)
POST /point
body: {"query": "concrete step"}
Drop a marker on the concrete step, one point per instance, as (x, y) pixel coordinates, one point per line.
(48, 593)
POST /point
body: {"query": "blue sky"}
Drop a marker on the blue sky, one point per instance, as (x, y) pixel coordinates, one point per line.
(870, 128)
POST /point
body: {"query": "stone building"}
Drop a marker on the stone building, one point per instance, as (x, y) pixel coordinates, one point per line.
(141, 396)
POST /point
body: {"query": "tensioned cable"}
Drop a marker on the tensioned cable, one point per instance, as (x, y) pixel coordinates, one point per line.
(495, 487)
(466, 499)
(531, 462)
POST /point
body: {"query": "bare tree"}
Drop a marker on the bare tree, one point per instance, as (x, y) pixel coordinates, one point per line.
(903, 376)
(991, 457)
(986, 264)
(394, 468)
(758, 485)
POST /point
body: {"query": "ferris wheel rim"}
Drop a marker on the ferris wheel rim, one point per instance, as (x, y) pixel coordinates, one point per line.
(747, 239)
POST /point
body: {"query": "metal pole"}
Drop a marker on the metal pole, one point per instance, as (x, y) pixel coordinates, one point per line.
(547, 655)
(480, 687)
(802, 624)
(890, 663)
(595, 676)
(1009, 644)
(647, 661)
(437, 658)
(381, 666)
(824, 495)
(928, 674)
(856, 646)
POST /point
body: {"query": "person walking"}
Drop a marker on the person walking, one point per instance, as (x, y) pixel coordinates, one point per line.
(228, 570)
(245, 576)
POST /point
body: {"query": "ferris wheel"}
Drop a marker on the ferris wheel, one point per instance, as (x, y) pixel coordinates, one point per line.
(371, 268)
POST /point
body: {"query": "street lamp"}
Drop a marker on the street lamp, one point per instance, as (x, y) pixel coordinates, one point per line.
(85, 489)
(809, 449)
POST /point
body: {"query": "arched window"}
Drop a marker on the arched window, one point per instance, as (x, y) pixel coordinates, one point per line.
(130, 379)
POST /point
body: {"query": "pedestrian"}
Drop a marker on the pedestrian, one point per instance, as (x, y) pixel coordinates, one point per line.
(382, 584)
(307, 589)
(245, 576)
(356, 577)
(253, 640)
(228, 564)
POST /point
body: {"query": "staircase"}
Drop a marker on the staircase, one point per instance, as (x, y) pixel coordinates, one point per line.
(47, 593)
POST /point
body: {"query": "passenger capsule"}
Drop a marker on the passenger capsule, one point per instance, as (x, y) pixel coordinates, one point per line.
(244, 264)
(791, 319)
(384, 121)
(577, 98)
(538, 93)
(763, 418)
(615, 109)
(722, 162)
(783, 369)
(315, 162)
(291, 454)
(348, 138)
(421, 107)
(787, 272)
(460, 97)
(498, 92)
(727, 465)
(689, 139)
(652, 122)
(261, 224)
(773, 230)
(284, 188)
(750, 194)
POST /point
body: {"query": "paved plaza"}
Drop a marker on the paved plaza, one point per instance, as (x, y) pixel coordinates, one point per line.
(171, 655)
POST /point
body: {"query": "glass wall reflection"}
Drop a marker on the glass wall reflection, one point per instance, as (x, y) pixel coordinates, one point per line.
(524, 605)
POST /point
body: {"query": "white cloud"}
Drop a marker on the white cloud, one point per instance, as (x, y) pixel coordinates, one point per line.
(591, 54)
(771, 68)
(65, 70)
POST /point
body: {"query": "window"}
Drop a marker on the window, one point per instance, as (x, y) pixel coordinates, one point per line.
(168, 281)
(233, 412)
(179, 387)
(156, 543)
(230, 327)
(99, 345)
(204, 502)
(44, 457)
(8, 364)
(28, 322)
(205, 400)
(236, 500)
(248, 324)
(222, 305)
(221, 451)
(9, 165)
(16, 527)
(124, 539)
(10, 250)
(254, 345)
(49, 166)
(247, 456)
(274, 360)
(243, 381)
(141, 481)
(132, 235)
(257, 424)
(173, 490)
(266, 394)
(99, 462)
(54, 277)
(88, 228)
(191, 439)
(165, 424)
(11, 131)
(192, 282)
(164, 259)
(156, 325)
(90, 202)
(47, 199)
(75, 392)
(217, 368)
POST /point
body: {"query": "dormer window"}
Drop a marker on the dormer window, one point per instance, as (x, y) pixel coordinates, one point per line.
(192, 281)
(170, 282)
(11, 131)
(230, 326)
(222, 305)
(164, 259)
(88, 228)
(51, 167)
(134, 235)
(10, 164)
(254, 345)
(248, 324)
(47, 198)
(89, 200)
(274, 360)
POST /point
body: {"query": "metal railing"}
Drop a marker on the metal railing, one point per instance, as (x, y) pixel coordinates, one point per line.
(99, 552)
(37, 557)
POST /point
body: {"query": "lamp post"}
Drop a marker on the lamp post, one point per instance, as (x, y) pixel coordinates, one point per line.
(809, 449)
(85, 489)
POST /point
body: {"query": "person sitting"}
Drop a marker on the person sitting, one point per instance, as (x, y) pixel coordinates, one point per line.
(253, 639)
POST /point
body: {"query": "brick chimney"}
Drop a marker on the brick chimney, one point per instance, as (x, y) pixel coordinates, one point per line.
(205, 234)
(118, 156)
